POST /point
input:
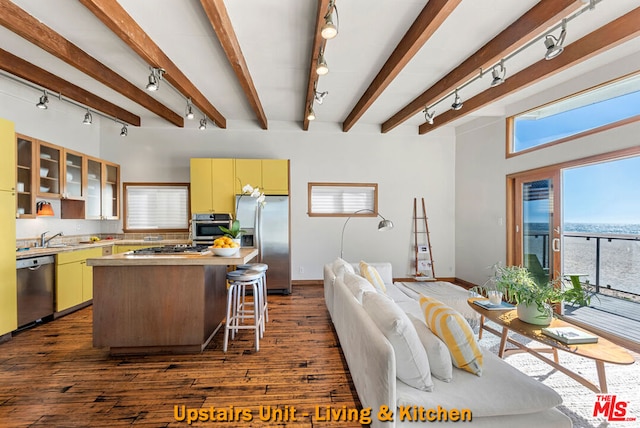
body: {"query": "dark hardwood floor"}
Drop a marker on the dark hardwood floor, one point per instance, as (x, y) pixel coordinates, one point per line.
(51, 375)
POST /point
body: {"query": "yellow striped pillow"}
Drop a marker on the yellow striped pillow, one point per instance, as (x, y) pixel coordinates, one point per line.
(455, 332)
(372, 275)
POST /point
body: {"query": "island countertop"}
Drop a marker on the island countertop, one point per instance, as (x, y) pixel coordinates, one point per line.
(129, 259)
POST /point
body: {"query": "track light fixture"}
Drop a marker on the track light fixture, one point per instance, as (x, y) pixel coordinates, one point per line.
(310, 113)
(88, 119)
(329, 30)
(124, 131)
(203, 124)
(44, 100)
(555, 46)
(429, 116)
(498, 74)
(457, 102)
(319, 96)
(189, 110)
(154, 78)
(321, 67)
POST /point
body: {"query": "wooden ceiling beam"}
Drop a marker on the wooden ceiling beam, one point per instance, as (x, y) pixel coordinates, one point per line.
(537, 19)
(430, 19)
(113, 15)
(221, 23)
(318, 42)
(606, 37)
(34, 74)
(26, 26)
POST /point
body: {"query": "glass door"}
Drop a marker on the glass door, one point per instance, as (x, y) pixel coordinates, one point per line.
(537, 224)
(94, 189)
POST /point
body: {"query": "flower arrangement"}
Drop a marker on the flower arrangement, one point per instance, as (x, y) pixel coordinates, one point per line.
(247, 190)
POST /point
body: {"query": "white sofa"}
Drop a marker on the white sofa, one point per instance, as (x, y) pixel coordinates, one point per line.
(501, 397)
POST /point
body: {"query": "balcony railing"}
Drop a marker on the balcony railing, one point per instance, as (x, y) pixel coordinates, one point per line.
(610, 261)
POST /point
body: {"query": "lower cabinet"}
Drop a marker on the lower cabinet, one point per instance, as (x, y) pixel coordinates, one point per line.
(74, 279)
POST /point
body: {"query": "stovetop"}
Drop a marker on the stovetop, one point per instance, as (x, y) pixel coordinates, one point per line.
(173, 249)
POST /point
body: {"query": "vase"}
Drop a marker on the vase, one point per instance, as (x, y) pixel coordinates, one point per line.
(532, 315)
(237, 241)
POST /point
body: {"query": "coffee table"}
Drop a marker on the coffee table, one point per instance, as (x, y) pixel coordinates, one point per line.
(601, 352)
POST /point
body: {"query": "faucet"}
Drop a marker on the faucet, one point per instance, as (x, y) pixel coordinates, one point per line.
(45, 241)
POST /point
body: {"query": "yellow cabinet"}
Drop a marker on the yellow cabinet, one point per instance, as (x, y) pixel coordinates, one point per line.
(8, 288)
(74, 279)
(212, 184)
(248, 171)
(275, 176)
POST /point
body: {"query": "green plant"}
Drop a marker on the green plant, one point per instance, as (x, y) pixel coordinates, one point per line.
(235, 230)
(518, 286)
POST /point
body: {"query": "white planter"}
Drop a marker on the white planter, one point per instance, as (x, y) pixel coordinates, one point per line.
(531, 314)
(237, 241)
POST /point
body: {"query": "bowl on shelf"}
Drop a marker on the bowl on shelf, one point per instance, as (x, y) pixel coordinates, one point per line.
(44, 172)
(44, 189)
(224, 252)
(69, 176)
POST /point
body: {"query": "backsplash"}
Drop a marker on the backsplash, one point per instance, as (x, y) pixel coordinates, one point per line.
(74, 239)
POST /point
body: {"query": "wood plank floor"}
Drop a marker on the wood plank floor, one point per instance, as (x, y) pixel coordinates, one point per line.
(52, 376)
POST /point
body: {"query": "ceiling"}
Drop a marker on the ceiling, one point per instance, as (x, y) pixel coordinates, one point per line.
(272, 45)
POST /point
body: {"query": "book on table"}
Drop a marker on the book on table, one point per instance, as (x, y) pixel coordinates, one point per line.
(486, 304)
(569, 335)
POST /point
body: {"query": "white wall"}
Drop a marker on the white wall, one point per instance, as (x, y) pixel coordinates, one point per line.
(403, 164)
(481, 168)
(60, 124)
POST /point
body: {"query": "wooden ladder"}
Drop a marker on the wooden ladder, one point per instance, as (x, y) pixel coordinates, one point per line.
(422, 265)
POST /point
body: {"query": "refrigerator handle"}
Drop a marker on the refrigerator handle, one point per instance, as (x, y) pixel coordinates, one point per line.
(259, 231)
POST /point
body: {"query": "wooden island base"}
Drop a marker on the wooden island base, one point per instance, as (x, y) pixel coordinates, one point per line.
(154, 304)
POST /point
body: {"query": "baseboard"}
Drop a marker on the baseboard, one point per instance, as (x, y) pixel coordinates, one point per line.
(463, 283)
(307, 282)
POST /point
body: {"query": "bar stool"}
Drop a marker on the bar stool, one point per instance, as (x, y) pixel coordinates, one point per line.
(260, 267)
(238, 309)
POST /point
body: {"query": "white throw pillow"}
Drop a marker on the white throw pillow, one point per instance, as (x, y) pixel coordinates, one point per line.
(340, 266)
(437, 352)
(412, 363)
(357, 285)
(372, 275)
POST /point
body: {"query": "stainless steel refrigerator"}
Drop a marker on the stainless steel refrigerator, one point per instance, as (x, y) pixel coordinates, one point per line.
(267, 229)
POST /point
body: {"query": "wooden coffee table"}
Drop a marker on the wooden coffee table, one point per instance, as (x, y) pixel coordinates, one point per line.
(601, 352)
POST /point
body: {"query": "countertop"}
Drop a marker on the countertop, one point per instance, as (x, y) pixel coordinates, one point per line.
(126, 259)
(47, 251)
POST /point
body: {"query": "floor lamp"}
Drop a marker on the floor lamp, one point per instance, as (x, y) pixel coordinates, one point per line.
(382, 226)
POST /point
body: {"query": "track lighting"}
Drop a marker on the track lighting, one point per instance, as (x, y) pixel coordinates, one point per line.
(498, 73)
(553, 45)
(457, 102)
(154, 78)
(189, 111)
(310, 113)
(429, 116)
(44, 100)
(88, 119)
(203, 124)
(124, 131)
(319, 96)
(321, 67)
(329, 30)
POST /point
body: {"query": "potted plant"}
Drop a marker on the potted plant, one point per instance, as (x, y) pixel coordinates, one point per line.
(236, 230)
(533, 301)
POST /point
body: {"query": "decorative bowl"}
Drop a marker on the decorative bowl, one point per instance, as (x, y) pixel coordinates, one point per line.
(224, 252)
(44, 172)
(44, 189)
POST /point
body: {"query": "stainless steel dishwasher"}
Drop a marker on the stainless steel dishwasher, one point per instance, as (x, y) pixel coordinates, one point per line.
(35, 288)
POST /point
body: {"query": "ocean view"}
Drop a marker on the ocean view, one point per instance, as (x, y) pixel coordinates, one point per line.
(619, 252)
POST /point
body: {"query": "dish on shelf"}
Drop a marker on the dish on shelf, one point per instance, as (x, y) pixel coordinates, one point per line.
(69, 162)
(44, 172)
(92, 176)
(44, 189)
(69, 176)
(45, 156)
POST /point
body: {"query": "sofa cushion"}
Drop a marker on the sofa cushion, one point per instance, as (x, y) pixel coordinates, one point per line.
(372, 275)
(357, 285)
(437, 352)
(456, 333)
(412, 363)
(340, 266)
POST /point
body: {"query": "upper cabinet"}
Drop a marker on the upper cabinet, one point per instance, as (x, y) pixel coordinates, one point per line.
(49, 170)
(212, 184)
(25, 165)
(270, 175)
(248, 171)
(74, 175)
(103, 184)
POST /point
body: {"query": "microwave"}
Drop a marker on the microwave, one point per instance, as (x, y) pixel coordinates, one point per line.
(206, 227)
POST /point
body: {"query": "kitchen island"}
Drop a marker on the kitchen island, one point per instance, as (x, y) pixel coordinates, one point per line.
(149, 304)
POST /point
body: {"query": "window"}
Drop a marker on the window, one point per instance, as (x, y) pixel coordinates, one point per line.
(343, 199)
(590, 111)
(156, 207)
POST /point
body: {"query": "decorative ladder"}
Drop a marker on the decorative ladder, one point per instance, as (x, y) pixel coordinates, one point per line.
(423, 267)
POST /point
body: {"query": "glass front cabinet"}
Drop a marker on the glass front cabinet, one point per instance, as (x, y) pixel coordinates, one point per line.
(103, 184)
(26, 197)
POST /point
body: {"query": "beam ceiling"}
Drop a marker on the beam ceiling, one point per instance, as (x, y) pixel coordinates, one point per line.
(33, 30)
(120, 22)
(219, 18)
(606, 37)
(541, 16)
(430, 19)
(34, 74)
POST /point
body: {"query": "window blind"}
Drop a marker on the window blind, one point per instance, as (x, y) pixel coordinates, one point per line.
(157, 207)
(342, 199)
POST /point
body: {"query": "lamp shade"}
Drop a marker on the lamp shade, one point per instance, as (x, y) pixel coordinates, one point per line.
(44, 209)
(385, 225)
